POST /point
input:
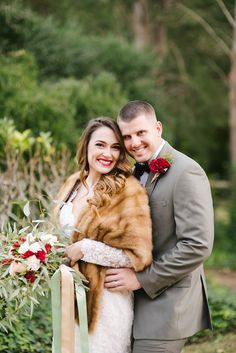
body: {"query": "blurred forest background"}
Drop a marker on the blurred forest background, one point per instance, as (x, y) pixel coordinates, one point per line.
(64, 62)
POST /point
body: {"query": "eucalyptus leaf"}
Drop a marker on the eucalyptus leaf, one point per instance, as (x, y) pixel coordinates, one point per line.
(26, 209)
(23, 230)
(34, 300)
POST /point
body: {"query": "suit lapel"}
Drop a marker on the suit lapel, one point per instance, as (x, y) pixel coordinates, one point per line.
(150, 186)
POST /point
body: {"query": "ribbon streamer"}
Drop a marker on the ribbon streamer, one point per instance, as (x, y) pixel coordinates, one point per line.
(66, 283)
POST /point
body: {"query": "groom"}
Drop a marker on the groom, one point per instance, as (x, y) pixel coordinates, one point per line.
(170, 295)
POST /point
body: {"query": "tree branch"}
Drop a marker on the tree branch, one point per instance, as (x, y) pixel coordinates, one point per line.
(226, 13)
(207, 28)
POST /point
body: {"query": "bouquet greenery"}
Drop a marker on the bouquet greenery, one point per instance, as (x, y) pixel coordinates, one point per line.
(29, 256)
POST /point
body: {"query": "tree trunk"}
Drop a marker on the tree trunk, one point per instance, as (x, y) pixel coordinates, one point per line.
(141, 23)
(160, 30)
(232, 99)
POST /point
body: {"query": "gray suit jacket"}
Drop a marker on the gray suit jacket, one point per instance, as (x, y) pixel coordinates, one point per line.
(172, 303)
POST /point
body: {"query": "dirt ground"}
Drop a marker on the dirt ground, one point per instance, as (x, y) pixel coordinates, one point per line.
(220, 344)
(225, 277)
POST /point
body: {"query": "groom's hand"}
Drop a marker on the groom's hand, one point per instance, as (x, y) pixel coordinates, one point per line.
(118, 279)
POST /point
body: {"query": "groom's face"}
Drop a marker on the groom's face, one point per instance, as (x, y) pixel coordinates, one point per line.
(142, 137)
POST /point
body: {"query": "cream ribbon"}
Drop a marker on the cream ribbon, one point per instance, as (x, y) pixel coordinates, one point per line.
(65, 283)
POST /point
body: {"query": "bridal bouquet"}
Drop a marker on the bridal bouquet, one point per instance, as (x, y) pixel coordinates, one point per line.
(29, 256)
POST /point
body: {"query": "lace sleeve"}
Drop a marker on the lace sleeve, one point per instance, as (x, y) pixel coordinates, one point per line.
(101, 254)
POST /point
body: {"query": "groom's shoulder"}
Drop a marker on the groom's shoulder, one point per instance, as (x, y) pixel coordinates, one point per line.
(182, 161)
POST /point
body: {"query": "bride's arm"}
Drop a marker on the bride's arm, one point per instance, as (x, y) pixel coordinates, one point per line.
(98, 253)
(101, 254)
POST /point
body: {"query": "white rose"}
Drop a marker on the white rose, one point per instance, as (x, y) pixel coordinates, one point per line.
(49, 239)
(33, 263)
(35, 247)
(24, 247)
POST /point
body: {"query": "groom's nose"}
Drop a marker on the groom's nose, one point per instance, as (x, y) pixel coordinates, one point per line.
(135, 141)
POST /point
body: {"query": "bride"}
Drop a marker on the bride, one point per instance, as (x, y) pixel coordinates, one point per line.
(110, 209)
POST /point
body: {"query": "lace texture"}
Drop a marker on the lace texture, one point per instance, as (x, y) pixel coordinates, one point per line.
(113, 330)
(101, 254)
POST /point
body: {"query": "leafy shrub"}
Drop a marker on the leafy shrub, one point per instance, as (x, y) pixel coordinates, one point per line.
(223, 255)
(222, 303)
(30, 335)
(40, 107)
(66, 52)
(50, 106)
(99, 95)
(223, 307)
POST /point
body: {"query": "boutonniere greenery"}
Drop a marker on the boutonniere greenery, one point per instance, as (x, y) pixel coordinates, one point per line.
(159, 166)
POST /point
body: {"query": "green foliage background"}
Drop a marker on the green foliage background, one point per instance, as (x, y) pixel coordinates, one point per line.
(73, 61)
(65, 62)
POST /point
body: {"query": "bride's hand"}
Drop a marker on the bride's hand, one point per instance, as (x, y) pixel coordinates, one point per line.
(74, 253)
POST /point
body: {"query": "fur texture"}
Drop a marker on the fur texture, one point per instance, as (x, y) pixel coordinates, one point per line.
(125, 224)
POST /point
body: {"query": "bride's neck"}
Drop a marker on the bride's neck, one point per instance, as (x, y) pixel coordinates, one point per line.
(92, 180)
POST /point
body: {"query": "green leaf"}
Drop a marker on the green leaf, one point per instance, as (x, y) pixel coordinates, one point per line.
(26, 209)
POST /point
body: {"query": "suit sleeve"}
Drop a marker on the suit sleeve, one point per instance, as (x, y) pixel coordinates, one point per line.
(193, 215)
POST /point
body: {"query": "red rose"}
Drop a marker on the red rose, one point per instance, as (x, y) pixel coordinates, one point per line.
(41, 255)
(159, 165)
(28, 253)
(16, 244)
(30, 276)
(48, 248)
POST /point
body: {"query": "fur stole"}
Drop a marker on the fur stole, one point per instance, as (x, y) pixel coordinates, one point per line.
(124, 224)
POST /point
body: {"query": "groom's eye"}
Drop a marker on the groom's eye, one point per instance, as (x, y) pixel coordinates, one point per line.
(141, 132)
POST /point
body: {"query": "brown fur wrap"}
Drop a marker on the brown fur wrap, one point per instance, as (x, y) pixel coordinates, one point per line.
(124, 224)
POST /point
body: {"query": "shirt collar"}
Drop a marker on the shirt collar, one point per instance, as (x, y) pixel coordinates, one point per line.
(158, 150)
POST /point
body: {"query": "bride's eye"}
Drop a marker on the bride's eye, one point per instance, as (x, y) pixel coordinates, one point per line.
(116, 147)
(98, 144)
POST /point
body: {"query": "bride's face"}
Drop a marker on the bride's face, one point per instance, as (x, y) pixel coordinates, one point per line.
(103, 151)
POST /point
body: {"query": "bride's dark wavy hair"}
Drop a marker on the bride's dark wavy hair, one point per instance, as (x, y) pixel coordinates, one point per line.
(113, 182)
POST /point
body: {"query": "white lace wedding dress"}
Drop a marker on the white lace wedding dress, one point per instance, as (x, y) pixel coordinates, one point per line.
(113, 331)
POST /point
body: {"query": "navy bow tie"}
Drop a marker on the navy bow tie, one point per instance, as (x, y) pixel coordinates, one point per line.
(140, 168)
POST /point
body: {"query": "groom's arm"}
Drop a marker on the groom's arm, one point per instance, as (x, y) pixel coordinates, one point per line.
(193, 215)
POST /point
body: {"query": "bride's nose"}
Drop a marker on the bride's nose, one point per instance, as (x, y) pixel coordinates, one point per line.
(107, 152)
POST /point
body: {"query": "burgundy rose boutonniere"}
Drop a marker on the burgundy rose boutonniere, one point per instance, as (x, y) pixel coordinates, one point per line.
(159, 166)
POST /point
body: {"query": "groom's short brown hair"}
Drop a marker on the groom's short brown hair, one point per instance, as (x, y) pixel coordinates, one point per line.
(133, 109)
